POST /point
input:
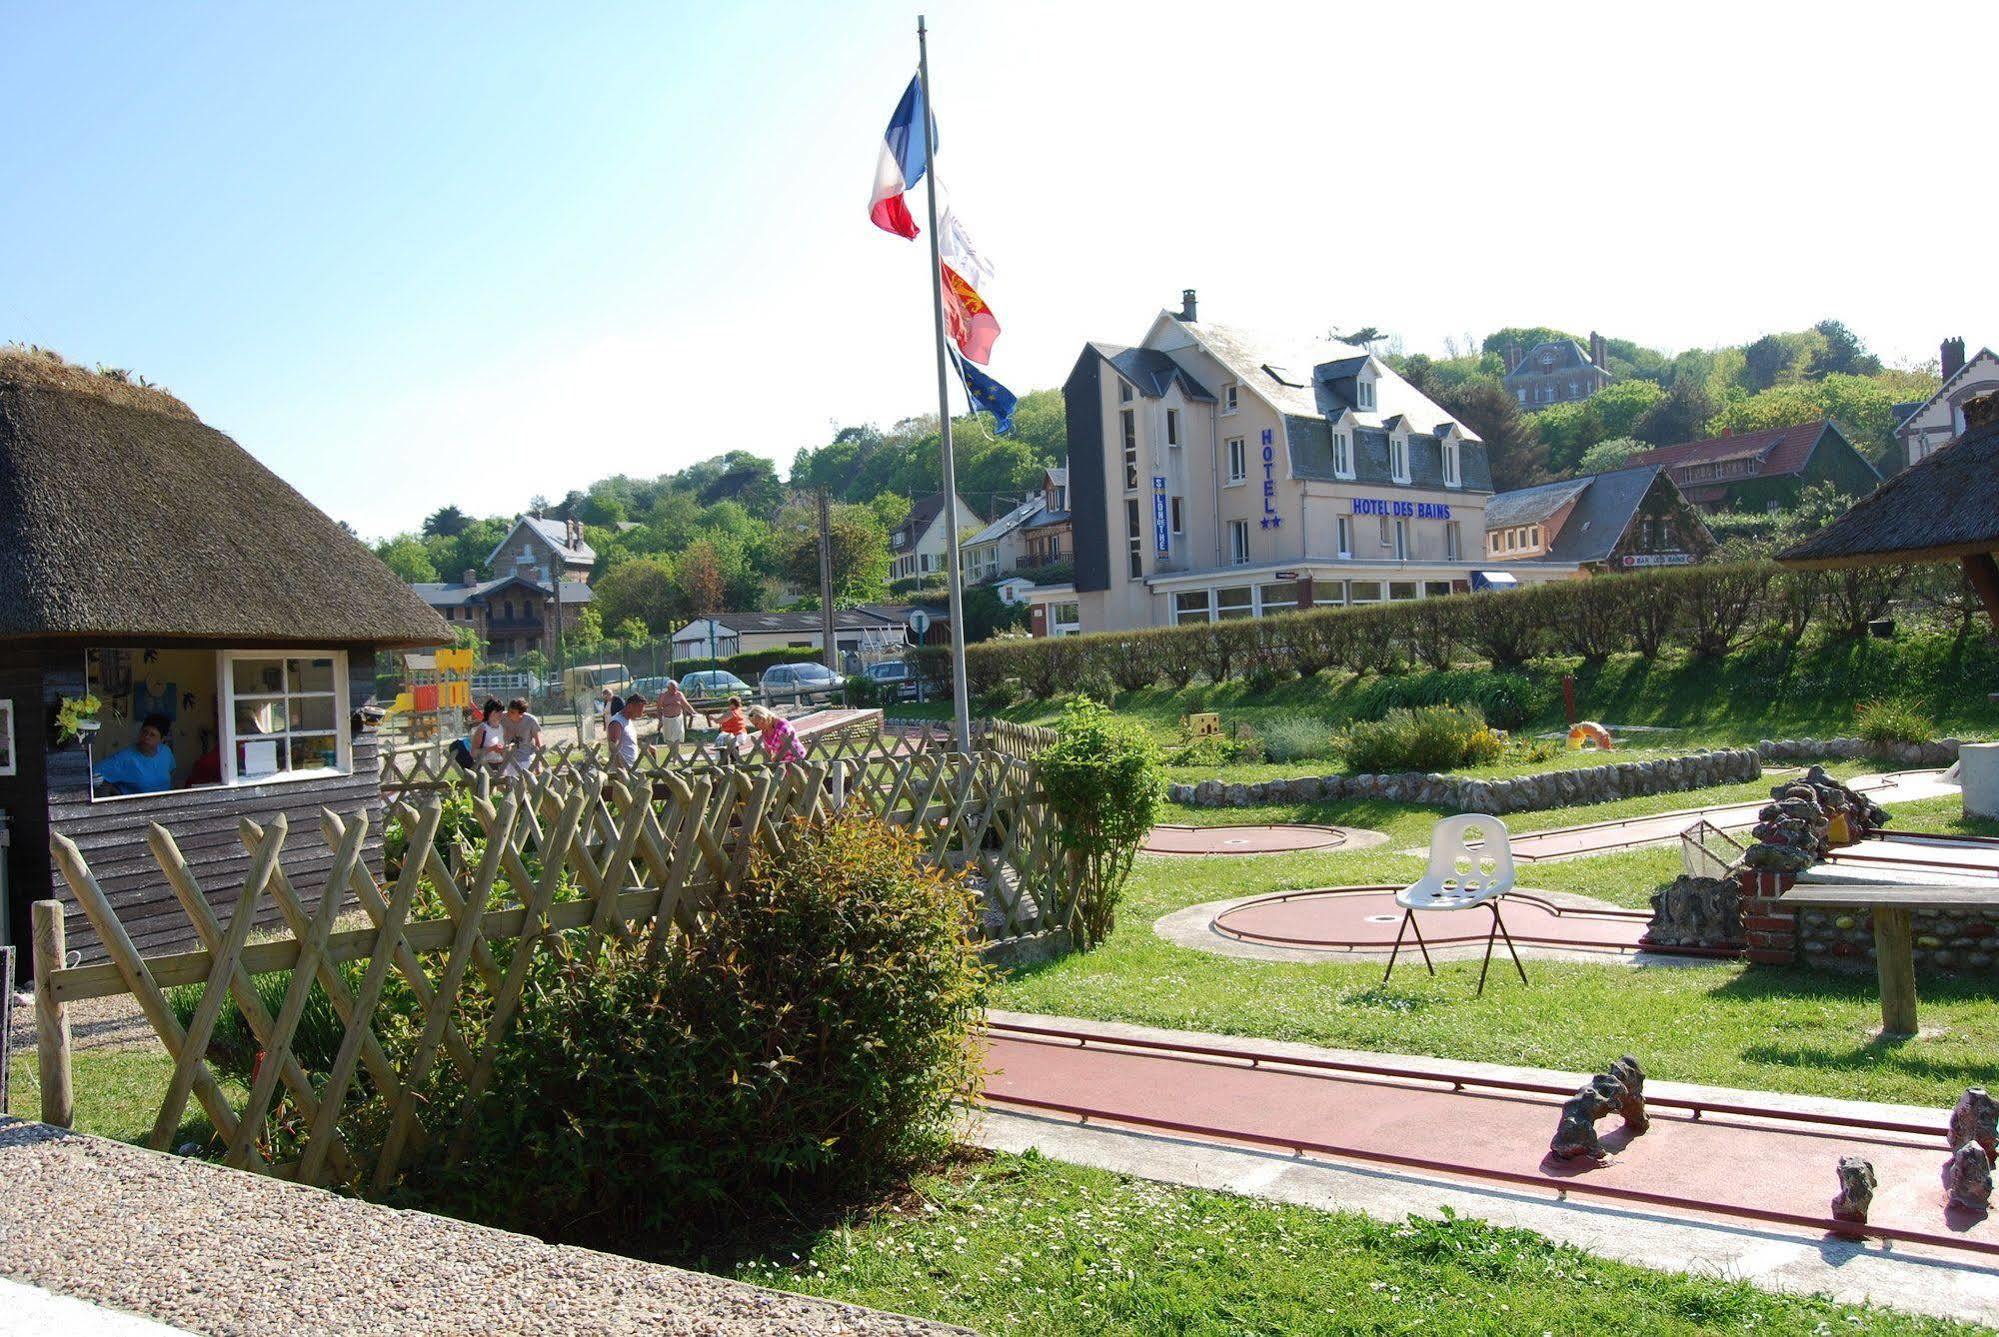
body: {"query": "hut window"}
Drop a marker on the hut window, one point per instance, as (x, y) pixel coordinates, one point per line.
(174, 689)
(284, 714)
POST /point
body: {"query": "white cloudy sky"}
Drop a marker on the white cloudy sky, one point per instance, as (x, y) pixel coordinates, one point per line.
(411, 255)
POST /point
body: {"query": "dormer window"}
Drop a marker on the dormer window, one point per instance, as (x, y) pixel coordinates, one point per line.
(1398, 458)
(1124, 392)
(1453, 464)
(1364, 391)
(1229, 398)
(1342, 455)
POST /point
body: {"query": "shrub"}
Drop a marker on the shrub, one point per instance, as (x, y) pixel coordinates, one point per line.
(1507, 700)
(1295, 737)
(806, 1049)
(1428, 738)
(1892, 720)
(1207, 750)
(1102, 778)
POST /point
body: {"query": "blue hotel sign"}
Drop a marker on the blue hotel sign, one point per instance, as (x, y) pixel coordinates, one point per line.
(1271, 519)
(1160, 539)
(1419, 510)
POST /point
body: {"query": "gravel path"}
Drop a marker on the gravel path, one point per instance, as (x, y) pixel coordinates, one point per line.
(218, 1251)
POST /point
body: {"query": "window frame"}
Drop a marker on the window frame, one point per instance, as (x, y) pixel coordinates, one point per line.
(1343, 535)
(1343, 455)
(1401, 540)
(226, 698)
(1134, 539)
(1454, 544)
(1238, 543)
(1238, 454)
(1176, 516)
(1128, 433)
(1364, 393)
(1454, 465)
(1231, 397)
(1398, 458)
(1173, 427)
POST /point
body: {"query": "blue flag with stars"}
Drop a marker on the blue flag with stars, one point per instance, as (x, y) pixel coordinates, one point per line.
(987, 395)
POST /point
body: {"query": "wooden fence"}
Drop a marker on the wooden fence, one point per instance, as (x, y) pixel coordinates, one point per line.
(584, 859)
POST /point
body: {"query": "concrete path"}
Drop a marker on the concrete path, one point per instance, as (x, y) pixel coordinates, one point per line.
(30, 1311)
(1733, 1157)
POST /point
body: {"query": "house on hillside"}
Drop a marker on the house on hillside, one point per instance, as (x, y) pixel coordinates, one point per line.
(1557, 372)
(1049, 538)
(512, 614)
(996, 550)
(1623, 520)
(228, 629)
(918, 545)
(1216, 474)
(1764, 471)
(538, 548)
(1927, 426)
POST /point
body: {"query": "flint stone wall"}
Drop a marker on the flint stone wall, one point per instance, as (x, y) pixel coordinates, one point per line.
(1910, 756)
(1527, 793)
(1946, 940)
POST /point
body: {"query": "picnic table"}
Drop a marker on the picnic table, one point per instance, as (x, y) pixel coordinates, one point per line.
(1893, 909)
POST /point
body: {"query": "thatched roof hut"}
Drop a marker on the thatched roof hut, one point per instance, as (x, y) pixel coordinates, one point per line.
(226, 628)
(121, 514)
(1944, 508)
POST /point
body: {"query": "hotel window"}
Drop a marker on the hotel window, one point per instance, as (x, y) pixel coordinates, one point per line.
(1364, 393)
(1453, 542)
(1135, 538)
(1238, 460)
(1401, 540)
(1364, 591)
(1065, 619)
(1342, 455)
(1436, 589)
(1173, 427)
(1179, 527)
(1398, 458)
(1129, 427)
(1401, 589)
(1385, 540)
(1329, 593)
(1238, 542)
(1191, 606)
(1453, 465)
(1234, 602)
(1281, 597)
(1123, 392)
(1343, 531)
(1229, 399)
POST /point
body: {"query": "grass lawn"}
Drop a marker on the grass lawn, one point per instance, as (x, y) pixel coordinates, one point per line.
(1784, 1029)
(1024, 1244)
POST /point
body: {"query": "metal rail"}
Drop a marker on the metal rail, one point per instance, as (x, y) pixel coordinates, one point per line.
(1561, 1187)
(1456, 1081)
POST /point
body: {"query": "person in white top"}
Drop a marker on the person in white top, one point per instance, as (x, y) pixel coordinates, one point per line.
(624, 732)
(489, 736)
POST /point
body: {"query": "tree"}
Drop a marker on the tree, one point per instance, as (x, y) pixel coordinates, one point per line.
(1863, 407)
(1512, 446)
(631, 631)
(860, 550)
(1843, 352)
(407, 558)
(642, 588)
(701, 575)
(1604, 456)
(584, 630)
(445, 522)
(1777, 359)
(1682, 415)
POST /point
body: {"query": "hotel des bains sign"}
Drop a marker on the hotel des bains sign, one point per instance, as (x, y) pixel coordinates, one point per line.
(1407, 510)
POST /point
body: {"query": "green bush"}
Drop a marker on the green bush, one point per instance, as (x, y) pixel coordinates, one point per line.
(1428, 738)
(1295, 737)
(1506, 700)
(233, 1047)
(1102, 778)
(804, 1051)
(1894, 720)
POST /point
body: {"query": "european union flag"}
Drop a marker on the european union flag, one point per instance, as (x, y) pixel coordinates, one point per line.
(987, 395)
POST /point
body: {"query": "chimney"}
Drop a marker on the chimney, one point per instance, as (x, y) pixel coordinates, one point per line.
(574, 531)
(1512, 358)
(1597, 356)
(470, 577)
(1953, 356)
(1187, 304)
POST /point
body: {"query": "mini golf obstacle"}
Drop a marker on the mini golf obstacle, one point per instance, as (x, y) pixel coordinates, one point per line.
(1726, 1161)
(1364, 920)
(1274, 838)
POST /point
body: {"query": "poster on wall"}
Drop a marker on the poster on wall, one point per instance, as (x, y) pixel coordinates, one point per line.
(6, 737)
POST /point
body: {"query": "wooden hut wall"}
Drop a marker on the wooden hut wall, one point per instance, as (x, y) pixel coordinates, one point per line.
(24, 794)
(112, 835)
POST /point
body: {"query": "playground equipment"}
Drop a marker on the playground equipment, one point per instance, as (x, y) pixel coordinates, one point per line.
(1588, 733)
(440, 689)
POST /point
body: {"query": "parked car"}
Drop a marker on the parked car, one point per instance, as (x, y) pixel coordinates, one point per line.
(895, 681)
(714, 685)
(801, 683)
(649, 688)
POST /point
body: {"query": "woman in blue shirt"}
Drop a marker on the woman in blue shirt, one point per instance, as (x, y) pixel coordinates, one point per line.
(146, 767)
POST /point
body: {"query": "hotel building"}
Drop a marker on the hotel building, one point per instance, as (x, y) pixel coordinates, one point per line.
(1214, 475)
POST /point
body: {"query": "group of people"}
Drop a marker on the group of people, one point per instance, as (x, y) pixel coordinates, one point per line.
(507, 740)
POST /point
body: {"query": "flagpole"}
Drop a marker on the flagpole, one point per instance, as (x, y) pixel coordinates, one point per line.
(961, 700)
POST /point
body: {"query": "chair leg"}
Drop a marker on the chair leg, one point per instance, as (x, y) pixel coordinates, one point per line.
(1498, 931)
(1510, 950)
(1397, 951)
(1417, 929)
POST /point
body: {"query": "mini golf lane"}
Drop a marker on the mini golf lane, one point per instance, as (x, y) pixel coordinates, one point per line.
(1365, 919)
(1271, 839)
(1715, 1163)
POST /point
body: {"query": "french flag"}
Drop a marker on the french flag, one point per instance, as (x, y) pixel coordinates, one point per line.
(905, 157)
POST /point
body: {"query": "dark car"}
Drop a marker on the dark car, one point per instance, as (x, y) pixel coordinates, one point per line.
(895, 681)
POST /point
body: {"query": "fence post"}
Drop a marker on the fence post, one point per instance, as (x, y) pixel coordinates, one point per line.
(52, 1018)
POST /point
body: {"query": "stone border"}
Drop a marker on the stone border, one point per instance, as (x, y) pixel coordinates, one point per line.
(1910, 756)
(1528, 793)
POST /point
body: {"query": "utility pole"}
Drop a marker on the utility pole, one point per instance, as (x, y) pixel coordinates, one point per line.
(832, 650)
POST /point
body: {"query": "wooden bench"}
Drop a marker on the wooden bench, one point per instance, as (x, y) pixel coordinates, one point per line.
(1893, 909)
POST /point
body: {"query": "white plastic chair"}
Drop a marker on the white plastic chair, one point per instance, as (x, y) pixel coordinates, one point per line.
(1471, 864)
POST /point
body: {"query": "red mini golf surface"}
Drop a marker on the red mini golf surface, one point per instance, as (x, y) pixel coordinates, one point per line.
(1709, 1166)
(1366, 919)
(1240, 839)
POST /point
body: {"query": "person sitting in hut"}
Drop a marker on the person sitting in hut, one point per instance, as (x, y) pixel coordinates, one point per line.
(624, 731)
(145, 767)
(779, 739)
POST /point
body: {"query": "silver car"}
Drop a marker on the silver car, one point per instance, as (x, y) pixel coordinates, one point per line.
(801, 683)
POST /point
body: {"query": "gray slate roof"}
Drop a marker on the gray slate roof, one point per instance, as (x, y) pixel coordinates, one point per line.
(1532, 505)
(1569, 356)
(457, 594)
(1152, 372)
(122, 515)
(1602, 515)
(556, 534)
(1311, 446)
(844, 619)
(1009, 522)
(1301, 379)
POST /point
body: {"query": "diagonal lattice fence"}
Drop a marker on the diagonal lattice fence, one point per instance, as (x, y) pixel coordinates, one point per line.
(559, 862)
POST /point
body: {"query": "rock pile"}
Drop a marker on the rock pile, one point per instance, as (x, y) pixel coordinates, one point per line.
(1620, 1088)
(1697, 912)
(1856, 1189)
(1526, 793)
(1793, 832)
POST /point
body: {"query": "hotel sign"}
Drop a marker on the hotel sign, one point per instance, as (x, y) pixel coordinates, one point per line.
(1271, 519)
(1160, 540)
(1632, 559)
(1416, 510)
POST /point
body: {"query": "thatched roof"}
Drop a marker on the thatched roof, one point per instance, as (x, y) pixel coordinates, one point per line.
(1943, 507)
(122, 515)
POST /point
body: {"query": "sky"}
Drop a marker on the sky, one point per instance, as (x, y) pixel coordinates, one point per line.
(411, 255)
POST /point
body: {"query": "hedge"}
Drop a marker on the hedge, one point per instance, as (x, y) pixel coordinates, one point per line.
(1710, 610)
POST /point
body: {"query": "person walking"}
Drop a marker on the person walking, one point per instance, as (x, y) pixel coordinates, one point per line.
(624, 732)
(676, 712)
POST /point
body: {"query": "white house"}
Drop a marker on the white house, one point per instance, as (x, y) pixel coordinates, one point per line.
(996, 550)
(1925, 428)
(918, 545)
